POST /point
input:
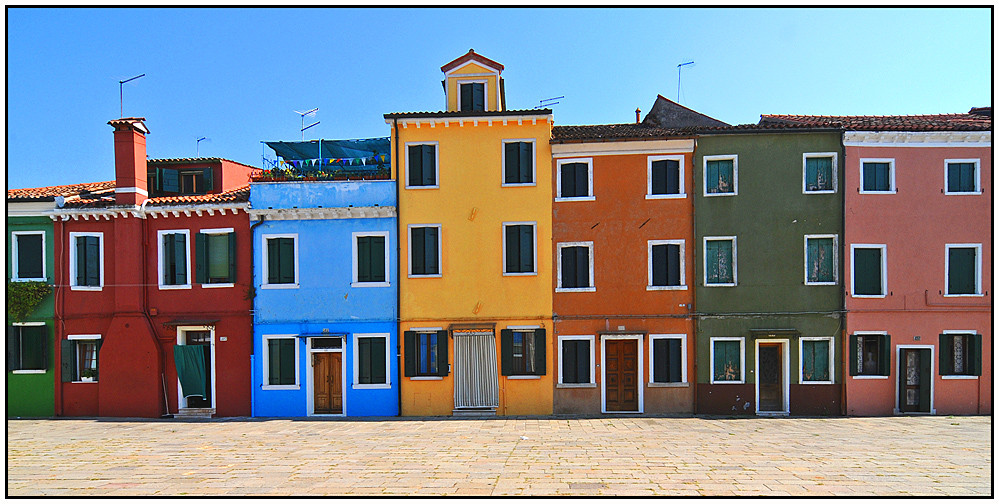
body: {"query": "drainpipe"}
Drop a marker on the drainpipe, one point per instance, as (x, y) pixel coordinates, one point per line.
(145, 304)
(59, 307)
(398, 289)
(253, 283)
(694, 322)
(842, 285)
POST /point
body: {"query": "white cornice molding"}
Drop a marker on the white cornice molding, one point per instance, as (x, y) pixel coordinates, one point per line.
(370, 212)
(145, 211)
(917, 139)
(505, 120)
(623, 147)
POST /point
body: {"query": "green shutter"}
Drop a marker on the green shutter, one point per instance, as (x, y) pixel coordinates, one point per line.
(273, 261)
(377, 261)
(569, 366)
(363, 259)
(526, 163)
(29, 256)
(415, 165)
(506, 352)
(867, 271)
(465, 91)
(811, 174)
(442, 342)
(13, 348)
(287, 356)
(975, 359)
(659, 176)
(568, 256)
(418, 251)
(429, 165)
(712, 176)
(33, 347)
(232, 257)
(378, 371)
(180, 258)
(511, 164)
(926, 378)
(660, 357)
(946, 351)
(170, 180)
(884, 355)
(363, 360)
(209, 179)
(286, 263)
(540, 352)
(854, 352)
(81, 260)
(430, 258)
(962, 273)
(409, 353)
(200, 258)
(526, 249)
(273, 362)
(93, 261)
(512, 249)
(68, 358)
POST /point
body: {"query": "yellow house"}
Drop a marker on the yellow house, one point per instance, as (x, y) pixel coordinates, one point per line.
(475, 238)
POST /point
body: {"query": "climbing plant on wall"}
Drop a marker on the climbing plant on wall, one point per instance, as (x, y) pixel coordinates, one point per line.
(24, 297)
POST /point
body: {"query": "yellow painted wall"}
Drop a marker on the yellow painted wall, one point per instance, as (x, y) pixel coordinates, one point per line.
(468, 73)
(471, 205)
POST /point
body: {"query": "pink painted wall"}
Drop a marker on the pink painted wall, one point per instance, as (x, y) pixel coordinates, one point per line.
(915, 223)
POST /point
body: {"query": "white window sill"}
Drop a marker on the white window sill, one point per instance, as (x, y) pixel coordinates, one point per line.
(942, 377)
(576, 198)
(371, 386)
(824, 382)
(370, 284)
(665, 196)
(175, 287)
(868, 296)
(709, 195)
(29, 371)
(976, 193)
(81, 381)
(870, 377)
(576, 385)
(426, 378)
(29, 280)
(280, 387)
(575, 289)
(424, 187)
(524, 377)
(532, 184)
(821, 283)
(217, 285)
(85, 288)
(669, 385)
(962, 295)
(827, 191)
(740, 382)
(520, 274)
(665, 287)
(720, 285)
(425, 276)
(878, 192)
(279, 286)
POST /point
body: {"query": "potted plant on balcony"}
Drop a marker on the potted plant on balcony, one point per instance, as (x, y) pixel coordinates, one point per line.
(88, 375)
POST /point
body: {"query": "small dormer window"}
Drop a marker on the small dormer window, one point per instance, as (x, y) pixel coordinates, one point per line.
(165, 181)
(473, 96)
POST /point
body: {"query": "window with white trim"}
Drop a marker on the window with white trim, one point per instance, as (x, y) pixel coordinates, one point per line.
(371, 361)
(821, 259)
(574, 179)
(370, 253)
(421, 165)
(174, 248)
(575, 267)
(964, 269)
(721, 175)
(280, 261)
(27, 256)
(424, 250)
(877, 176)
(86, 261)
(720, 266)
(520, 251)
(518, 162)
(818, 172)
(576, 360)
(280, 362)
(728, 360)
(870, 354)
(667, 265)
(665, 177)
(215, 261)
(667, 358)
(962, 176)
(425, 353)
(960, 353)
(81, 357)
(869, 277)
(472, 96)
(816, 359)
(522, 351)
(27, 347)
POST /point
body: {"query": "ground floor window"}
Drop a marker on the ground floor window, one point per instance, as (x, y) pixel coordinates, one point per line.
(870, 354)
(80, 357)
(425, 353)
(27, 347)
(576, 361)
(816, 360)
(960, 354)
(667, 361)
(371, 359)
(522, 352)
(727, 360)
(280, 361)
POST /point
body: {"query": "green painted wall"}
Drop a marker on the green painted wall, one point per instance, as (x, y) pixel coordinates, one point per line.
(33, 395)
(770, 217)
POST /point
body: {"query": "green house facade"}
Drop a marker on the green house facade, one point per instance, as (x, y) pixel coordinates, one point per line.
(768, 228)
(30, 352)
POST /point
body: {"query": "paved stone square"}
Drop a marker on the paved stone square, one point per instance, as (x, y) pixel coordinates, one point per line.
(627, 456)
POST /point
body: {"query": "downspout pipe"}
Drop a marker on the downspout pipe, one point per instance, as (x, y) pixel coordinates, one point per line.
(844, 340)
(695, 322)
(398, 260)
(145, 305)
(253, 313)
(59, 307)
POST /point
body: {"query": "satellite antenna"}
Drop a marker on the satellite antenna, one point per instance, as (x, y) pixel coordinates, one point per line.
(121, 95)
(542, 104)
(679, 68)
(199, 145)
(307, 113)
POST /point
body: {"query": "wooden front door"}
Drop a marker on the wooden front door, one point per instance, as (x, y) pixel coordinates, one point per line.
(327, 383)
(621, 375)
(914, 381)
(203, 339)
(771, 379)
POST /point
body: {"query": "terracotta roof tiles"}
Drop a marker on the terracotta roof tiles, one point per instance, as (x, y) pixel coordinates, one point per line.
(606, 132)
(49, 193)
(976, 120)
(238, 195)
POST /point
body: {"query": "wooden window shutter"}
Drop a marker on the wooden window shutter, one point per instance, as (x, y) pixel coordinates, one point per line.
(675, 361)
(30, 256)
(442, 342)
(93, 265)
(273, 261)
(673, 264)
(409, 353)
(13, 348)
(946, 349)
(415, 165)
(540, 352)
(884, 355)
(81, 260)
(583, 267)
(712, 176)
(68, 364)
(287, 361)
(180, 258)
(583, 362)
(854, 352)
(660, 356)
(363, 259)
(232, 257)
(867, 271)
(506, 352)
(200, 258)
(209, 179)
(962, 274)
(378, 370)
(430, 257)
(568, 257)
(512, 249)
(465, 91)
(659, 176)
(170, 180)
(478, 96)
(673, 177)
(429, 165)
(364, 360)
(286, 257)
(569, 366)
(568, 182)
(511, 168)
(975, 359)
(660, 265)
(582, 179)
(526, 163)
(377, 260)
(418, 250)
(526, 249)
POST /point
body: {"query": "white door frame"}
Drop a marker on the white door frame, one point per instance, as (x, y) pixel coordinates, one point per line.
(457, 381)
(640, 339)
(785, 375)
(898, 369)
(310, 394)
(181, 334)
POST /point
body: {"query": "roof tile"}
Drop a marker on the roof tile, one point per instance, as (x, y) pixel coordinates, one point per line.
(50, 192)
(929, 122)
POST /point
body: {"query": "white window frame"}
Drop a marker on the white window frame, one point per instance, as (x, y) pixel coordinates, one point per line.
(978, 176)
(534, 162)
(440, 250)
(683, 190)
(835, 257)
(265, 360)
(933, 373)
(161, 261)
(73, 235)
(801, 362)
(427, 330)
(558, 286)
(437, 164)
(735, 261)
(356, 384)
(683, 361)
(978, 268)
(30, 371)
(683, 265)
(884, 270)
(216, 231)
(866, 376)
(181, 337)
(891, 175)
(353, 259)
(534, 224)
(15, 276)
(735, 174)
(964, 376)
(263, 261)
(804, 171)
(76, 356)
(593, 379)
(742, 359)
(558, 179)
(458, 81)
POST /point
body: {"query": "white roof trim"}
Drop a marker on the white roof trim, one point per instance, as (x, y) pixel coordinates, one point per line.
(917, 138)
(323, 213)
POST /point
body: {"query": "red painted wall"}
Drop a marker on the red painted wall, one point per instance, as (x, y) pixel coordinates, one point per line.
(915, 224)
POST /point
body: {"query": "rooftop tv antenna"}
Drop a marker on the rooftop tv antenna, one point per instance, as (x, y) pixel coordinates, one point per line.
(550, 102)
(121, 93)
(311, 113)
(199, 145)
(679, 68)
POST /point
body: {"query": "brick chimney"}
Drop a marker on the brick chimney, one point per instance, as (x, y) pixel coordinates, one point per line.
(638, 116)
(130, 160)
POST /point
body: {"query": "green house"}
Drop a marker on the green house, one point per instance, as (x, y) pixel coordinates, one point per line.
(768, 228)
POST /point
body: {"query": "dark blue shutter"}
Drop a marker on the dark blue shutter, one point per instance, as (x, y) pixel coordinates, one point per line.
(415, 165)
(567, 187)
(583, 361)
(511, 168)
(409, 353)
(660, 265)
(418, 251)
(526, 163)
(526, 249)
(478, 96)
(429, 165)
(582, 266)
(540, 352)
(673, 176)
(659, 185)
(442, 342)
(660, 356)
(675, 361)
(506, 352)
(29, 256)
(431, 259)
(512, 249)
(582, 179)
(170, 180)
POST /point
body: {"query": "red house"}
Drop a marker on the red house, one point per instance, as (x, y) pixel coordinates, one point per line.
(161, 259)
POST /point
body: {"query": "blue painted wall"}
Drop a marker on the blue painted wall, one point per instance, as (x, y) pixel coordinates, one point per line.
(325, 298)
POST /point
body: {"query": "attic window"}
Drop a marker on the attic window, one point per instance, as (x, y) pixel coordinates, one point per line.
(165, 181)
(473, 96)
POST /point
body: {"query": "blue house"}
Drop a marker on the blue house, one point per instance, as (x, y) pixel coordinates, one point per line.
(325, 331)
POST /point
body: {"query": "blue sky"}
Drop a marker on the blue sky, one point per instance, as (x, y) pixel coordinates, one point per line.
(236, 76)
